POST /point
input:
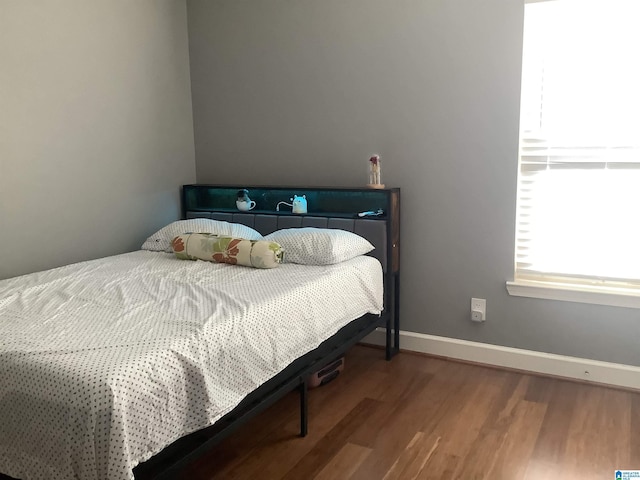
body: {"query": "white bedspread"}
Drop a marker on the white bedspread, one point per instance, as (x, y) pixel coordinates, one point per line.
(104, 363)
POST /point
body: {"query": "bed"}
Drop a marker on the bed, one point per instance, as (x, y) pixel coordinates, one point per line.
(113, 366)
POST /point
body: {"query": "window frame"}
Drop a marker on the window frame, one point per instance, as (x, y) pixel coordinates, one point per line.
(574, 288)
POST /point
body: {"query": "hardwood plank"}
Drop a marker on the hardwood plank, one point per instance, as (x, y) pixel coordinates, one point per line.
(511, 457)
(440, 467)
(398, 400)
(600, 427)
(539, 389)
(634, 440)
(344, 463)
(494, 430)
(550, 447)
(463, 432)
(333, 441)
(398, 427)
(389, 431)
(414, 458)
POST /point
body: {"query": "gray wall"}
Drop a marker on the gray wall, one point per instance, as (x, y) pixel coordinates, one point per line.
(303, 91)
(96, 131)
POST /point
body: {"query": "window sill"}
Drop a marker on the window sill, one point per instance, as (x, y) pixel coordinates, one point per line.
(575, 293)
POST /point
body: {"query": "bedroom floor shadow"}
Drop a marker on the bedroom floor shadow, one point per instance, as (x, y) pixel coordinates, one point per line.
(422, 417)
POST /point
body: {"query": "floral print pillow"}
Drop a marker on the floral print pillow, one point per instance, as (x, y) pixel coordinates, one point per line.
(234, 251)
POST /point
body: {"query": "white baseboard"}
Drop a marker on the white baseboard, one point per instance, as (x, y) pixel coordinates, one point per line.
(617, 374)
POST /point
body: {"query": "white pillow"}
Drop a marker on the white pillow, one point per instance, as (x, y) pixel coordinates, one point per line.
(161, 240)
(319, 246)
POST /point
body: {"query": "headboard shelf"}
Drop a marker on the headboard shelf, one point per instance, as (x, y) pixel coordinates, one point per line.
(282, 212)
(321, 201)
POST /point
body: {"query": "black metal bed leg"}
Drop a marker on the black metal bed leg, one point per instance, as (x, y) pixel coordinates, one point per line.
(396, 313)
(388, 348)
(304, 409)
(393, 319)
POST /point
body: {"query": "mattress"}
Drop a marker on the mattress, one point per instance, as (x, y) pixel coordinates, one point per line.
(104, 363)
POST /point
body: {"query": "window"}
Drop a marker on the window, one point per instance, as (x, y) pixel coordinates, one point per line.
(578, 207)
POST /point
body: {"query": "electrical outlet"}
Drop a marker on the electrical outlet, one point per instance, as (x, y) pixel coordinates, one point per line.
(478, 309)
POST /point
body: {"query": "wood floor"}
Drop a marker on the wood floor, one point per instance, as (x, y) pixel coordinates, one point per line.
(426, 418)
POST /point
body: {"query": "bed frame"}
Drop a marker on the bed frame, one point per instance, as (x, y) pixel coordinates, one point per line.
(327, 208)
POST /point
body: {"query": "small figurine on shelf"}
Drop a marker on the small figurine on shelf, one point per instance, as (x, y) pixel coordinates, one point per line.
(298, 204)
(375, 172)
(244, 203)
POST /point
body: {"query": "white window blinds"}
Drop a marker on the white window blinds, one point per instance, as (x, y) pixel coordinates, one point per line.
(578, 211)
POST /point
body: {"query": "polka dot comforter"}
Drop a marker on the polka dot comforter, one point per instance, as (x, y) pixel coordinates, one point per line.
(104, 363)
